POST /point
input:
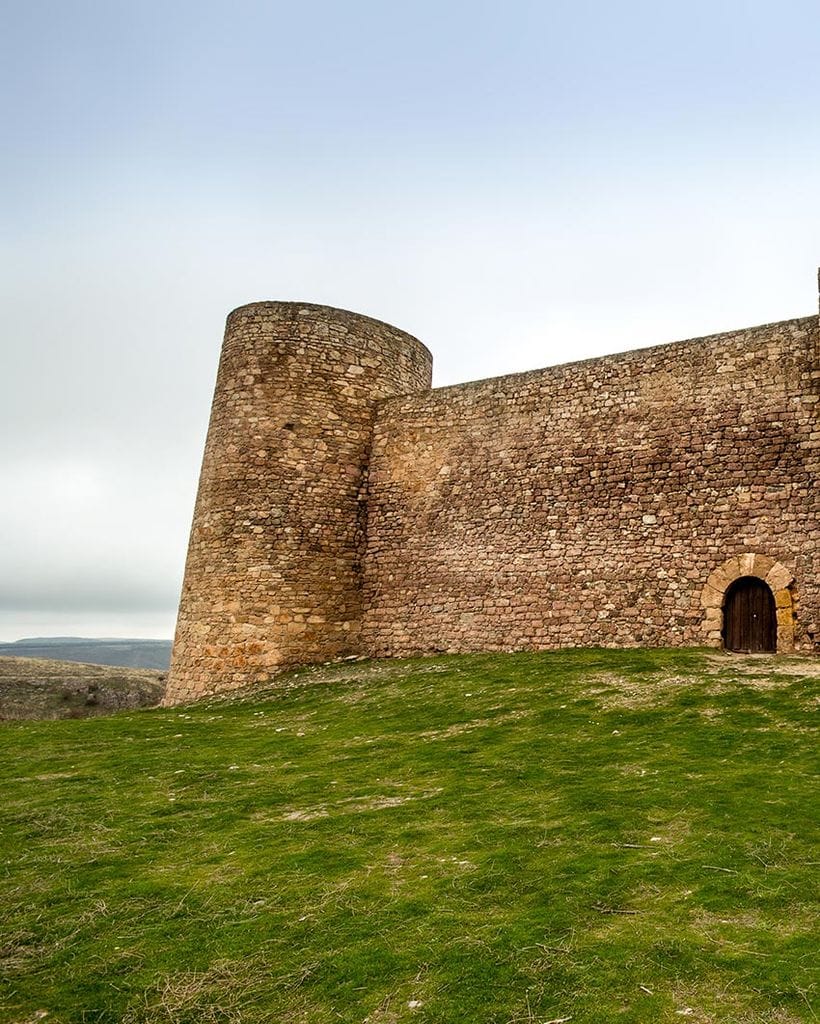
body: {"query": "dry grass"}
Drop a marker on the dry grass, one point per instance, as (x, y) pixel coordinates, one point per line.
(37, 688)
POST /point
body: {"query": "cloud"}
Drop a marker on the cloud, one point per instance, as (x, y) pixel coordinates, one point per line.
(80, 535)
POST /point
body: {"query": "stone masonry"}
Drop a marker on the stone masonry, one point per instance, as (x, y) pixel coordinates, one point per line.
(274, 566)
(345, 508)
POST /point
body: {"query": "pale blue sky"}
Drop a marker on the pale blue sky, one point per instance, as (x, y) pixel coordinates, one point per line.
(517, 184)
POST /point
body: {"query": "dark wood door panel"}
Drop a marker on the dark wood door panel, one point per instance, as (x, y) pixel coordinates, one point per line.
(749, 622)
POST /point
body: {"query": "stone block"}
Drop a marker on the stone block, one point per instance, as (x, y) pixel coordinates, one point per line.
(779, 577)
(761, 565)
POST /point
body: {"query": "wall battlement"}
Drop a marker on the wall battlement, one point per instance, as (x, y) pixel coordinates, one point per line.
(346, 508)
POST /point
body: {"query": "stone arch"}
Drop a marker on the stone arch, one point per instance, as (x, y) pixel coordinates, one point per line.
(776, 576)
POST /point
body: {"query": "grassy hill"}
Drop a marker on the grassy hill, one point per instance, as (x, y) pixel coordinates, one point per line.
(44, 688)
(584, 836)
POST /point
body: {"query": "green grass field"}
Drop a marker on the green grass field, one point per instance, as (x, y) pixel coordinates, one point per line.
(583, 836)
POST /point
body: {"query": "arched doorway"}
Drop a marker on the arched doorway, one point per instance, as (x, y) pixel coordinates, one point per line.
(777, 577)
(749, 619)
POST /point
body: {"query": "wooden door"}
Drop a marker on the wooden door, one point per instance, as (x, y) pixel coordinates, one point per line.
(749, 622)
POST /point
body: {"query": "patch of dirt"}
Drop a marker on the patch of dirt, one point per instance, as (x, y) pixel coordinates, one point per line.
(355, 696)
(356, 805)
(636, 770)
(354, 674)
(382, 1014)
(662, 835)
(311, 814)
(699, 1005)
(747, 919)
(794, 921)
(462, 865)
(459, 728)
(765, 666)
(782, 725)
(377, 803)
(719, 674)
(614, 691)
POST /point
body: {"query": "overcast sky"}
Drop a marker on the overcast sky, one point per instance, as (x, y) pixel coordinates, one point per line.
(516, 183)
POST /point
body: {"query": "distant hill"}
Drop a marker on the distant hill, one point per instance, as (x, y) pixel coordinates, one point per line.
(154, 654)
(45, 688)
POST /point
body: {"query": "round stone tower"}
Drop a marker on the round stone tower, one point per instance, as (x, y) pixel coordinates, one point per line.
(273, 575)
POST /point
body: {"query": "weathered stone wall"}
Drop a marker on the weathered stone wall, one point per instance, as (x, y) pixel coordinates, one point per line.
(273, 575)
(345, 508)
(601, 502)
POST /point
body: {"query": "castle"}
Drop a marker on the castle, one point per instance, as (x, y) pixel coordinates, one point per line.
(661, 497)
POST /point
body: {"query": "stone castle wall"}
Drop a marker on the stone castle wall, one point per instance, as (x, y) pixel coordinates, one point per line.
(345, 508)
(601, 502)
(273, 575)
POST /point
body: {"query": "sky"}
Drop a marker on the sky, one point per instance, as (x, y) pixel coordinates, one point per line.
(517, 184)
